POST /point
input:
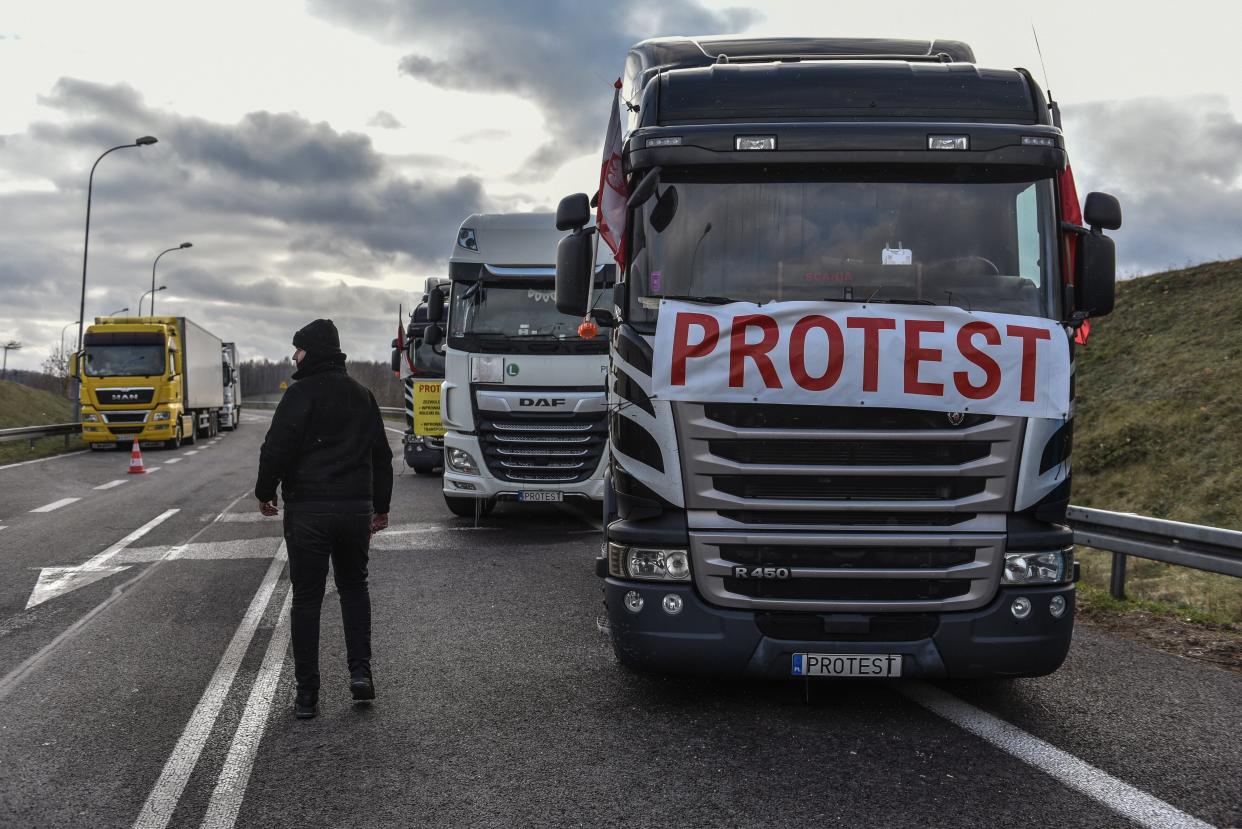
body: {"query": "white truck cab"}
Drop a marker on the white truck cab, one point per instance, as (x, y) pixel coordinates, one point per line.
(524, 396)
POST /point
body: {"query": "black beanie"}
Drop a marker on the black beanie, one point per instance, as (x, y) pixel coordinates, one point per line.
(319, 337)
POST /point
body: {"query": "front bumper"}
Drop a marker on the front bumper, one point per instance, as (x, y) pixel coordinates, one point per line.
(118, 434)
(483, 485)
(707, 640)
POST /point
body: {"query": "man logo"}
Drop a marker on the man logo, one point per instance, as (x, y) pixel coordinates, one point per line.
(956, 418)
(549, 402)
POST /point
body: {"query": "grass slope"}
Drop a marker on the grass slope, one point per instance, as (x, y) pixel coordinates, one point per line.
(1158, 429)
(24, 406)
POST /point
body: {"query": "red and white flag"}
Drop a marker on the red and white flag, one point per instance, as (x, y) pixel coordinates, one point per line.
(613, 189)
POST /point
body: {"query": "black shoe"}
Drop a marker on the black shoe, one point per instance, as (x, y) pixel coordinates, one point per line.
(361, 685)
(307, 705)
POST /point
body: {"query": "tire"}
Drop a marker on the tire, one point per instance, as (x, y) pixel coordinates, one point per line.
(468, 507)
(192, 437)
(175, 443)
(428, 469)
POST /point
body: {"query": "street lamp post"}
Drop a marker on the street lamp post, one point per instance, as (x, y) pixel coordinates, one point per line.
(64, 328)
(144, 296)
(152, 292)
(90, 186)
(119, 311)
(11, 345)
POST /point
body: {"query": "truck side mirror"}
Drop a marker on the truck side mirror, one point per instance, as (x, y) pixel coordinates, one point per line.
(73, 364)
(573, 272)
(435, 305)
(396, 358)
(433, 335)
(574, 212)
(1102, 211)
(1096, 281)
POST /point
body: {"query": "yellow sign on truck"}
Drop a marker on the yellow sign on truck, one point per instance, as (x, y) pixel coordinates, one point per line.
(427, 420)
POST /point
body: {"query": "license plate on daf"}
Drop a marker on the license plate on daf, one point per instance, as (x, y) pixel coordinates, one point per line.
(543, 496)
(846, 664)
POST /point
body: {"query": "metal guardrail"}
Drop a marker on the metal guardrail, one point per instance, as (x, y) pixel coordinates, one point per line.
(389, 411)
(1125, 534)
(33, 433)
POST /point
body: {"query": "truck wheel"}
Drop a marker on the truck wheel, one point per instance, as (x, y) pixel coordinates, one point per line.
(427, 469)
(468, 507)
(175, 443)
(190, 437)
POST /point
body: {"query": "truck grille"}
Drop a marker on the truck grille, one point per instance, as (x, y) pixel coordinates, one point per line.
(543, 448)
(847, 572)
(750, 458)
(847, 488)
(125, 417)
(124, 396)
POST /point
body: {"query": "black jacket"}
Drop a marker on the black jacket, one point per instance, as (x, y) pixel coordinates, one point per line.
(326, 447)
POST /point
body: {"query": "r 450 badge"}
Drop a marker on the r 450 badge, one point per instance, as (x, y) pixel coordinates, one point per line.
(743, 572)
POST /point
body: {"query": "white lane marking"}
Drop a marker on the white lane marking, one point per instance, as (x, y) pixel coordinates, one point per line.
(226, 798)
(50, 458)
(246, 518)
(173, 460)
(55, 505)
(111, 484)
(192, 452)
(240, 548)
(1122, 798)
(162, 802)
(55, 581)
(153, 469)
(13, 679)
(4, 526)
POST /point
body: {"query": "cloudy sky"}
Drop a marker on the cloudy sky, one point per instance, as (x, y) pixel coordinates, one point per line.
(319, 154)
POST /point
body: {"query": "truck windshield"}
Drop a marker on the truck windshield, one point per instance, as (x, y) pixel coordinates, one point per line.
(124, 360)
(511, 309)
(847, 234)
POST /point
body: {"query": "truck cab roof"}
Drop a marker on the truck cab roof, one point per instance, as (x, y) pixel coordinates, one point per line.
(512, 244)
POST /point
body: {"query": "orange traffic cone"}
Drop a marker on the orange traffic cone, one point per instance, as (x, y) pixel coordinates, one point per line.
(135, 460)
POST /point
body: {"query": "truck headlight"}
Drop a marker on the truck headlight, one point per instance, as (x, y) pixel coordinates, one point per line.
(1047, 567)
(90, 418)
(648, 563)
(160, 416)
(460, 460)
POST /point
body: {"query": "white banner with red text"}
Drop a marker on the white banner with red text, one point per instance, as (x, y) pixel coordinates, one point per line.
(851, 354)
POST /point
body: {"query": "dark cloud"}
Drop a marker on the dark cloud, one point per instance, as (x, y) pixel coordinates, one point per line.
(1175, 164)
(562, 55)
(268, 202)
(385, 120)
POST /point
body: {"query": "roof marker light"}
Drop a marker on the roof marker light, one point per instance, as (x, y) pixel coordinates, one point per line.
(755, 142)
(1038, 141)
(664, 141)
(948, 142)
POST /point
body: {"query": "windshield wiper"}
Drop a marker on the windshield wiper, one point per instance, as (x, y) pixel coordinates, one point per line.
(706, 300)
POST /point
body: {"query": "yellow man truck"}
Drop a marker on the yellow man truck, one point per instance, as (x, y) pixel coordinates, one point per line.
(157, 379)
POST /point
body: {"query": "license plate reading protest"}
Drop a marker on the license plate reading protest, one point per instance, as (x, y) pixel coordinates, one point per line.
(846, 664)
(541, 496)
(845, 354)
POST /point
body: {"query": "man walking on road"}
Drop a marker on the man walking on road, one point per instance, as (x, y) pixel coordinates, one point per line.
(328, 450)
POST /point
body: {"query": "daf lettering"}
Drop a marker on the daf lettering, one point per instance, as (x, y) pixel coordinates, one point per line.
(548, 402)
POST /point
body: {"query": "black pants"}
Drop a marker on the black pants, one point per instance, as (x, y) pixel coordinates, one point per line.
(312, 539)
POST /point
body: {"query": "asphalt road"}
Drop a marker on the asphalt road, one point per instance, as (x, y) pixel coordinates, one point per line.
(149, 684)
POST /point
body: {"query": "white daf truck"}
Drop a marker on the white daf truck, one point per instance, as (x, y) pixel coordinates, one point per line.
(524, 400)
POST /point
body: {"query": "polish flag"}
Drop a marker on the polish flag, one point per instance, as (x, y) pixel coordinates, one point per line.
(613, 189)
(1071, 212)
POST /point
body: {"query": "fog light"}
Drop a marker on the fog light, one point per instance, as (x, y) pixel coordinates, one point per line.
(464, 485)
(1057, 607)
(1021, 607)
(671, 604)
(633, 601)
